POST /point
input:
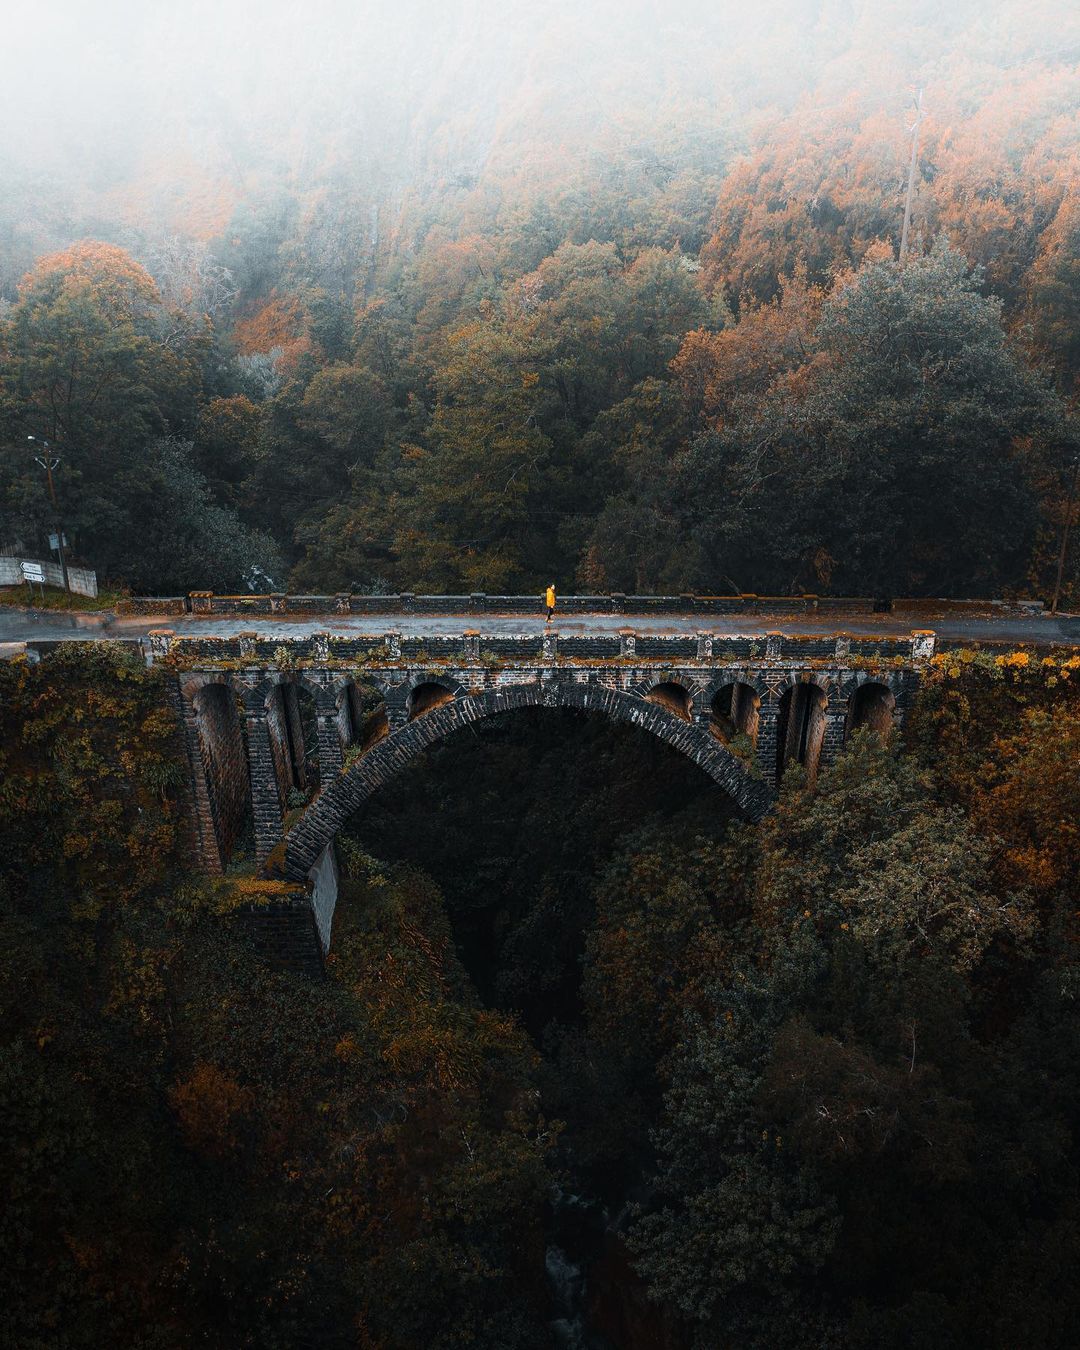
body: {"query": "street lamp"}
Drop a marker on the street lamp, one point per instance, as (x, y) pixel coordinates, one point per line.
(48, 462)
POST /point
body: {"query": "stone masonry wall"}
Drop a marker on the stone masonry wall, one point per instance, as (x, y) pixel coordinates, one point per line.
(284, 933)
(615, 675)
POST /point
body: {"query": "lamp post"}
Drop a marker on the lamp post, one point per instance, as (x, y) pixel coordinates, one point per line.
(48, 462)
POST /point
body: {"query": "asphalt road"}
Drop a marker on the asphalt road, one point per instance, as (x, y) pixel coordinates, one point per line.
(962, 626)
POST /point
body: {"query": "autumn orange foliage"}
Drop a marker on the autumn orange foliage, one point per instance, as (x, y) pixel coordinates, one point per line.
(119, 285)
(210, 1107)
(277, 323)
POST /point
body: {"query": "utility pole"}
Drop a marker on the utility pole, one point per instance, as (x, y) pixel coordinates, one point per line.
(48, 462)
(911, 173)
(1070, 507)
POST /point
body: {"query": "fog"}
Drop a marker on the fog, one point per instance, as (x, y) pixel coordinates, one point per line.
(120, 116)
(97, 85)
(94, 88)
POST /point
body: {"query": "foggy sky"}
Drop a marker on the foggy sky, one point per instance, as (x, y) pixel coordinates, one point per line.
(93, 82)
(107, 96)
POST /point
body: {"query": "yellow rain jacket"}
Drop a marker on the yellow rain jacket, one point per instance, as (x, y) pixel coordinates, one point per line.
(549, 597)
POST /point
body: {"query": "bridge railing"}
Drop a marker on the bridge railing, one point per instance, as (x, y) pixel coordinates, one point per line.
(207, 603)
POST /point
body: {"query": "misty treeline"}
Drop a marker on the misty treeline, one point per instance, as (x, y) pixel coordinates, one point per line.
(561, 335)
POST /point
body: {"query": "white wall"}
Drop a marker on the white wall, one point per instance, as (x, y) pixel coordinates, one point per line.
(324, 893)
(82, 580)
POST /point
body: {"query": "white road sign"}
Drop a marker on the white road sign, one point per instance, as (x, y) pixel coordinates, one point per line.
(33, 571)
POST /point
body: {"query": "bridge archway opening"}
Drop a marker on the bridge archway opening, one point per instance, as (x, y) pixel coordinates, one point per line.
(801, 728)
(426, 697)
(224, 762)
(735, 709)
(483, 847)
(672, 696)
(871, 706)
(281, 755)
(432, 721)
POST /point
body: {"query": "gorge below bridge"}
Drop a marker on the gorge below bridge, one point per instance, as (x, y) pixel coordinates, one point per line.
(296, 710)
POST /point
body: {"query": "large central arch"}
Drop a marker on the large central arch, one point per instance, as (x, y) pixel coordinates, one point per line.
(341, 798)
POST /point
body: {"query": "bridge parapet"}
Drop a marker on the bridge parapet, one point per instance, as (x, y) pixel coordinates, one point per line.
(336, 651)
(208, 603)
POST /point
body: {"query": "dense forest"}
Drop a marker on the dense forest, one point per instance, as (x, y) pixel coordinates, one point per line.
(479, 296)
(808, 1084)
(480, 334)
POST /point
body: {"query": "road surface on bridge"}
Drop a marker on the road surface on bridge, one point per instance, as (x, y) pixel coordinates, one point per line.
(952, 625)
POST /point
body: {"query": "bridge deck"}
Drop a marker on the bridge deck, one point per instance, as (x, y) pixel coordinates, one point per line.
(953, 624)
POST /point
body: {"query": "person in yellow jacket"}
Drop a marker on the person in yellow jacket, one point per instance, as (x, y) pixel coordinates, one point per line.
(549, 600)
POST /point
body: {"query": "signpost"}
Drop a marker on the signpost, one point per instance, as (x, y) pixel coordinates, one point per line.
(32, 572)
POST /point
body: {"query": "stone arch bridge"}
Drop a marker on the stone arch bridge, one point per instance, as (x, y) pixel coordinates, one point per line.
(295, 734)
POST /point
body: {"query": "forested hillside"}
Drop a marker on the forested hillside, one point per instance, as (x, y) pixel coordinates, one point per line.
(808, 1084)
(608, 296)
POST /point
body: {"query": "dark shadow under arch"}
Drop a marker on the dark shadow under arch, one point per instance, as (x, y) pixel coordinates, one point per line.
(425, 697)
(735, 710)
(341, 798)
(224, 762)
(801, 729)
(673, 696)
(871, 706)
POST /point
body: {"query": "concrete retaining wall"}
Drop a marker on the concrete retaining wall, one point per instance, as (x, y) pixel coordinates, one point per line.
(81, 580)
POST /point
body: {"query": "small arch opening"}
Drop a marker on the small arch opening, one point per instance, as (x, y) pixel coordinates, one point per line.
(224, 758)
(293, 725)
(671, 696)
(367, 714)
(426, 697)
(801, 728)
(871, 706)
(344, 720)
(735, 712)
(375, 728)
(305, 733)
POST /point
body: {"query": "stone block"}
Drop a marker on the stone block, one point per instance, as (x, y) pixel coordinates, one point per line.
(160, 638)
